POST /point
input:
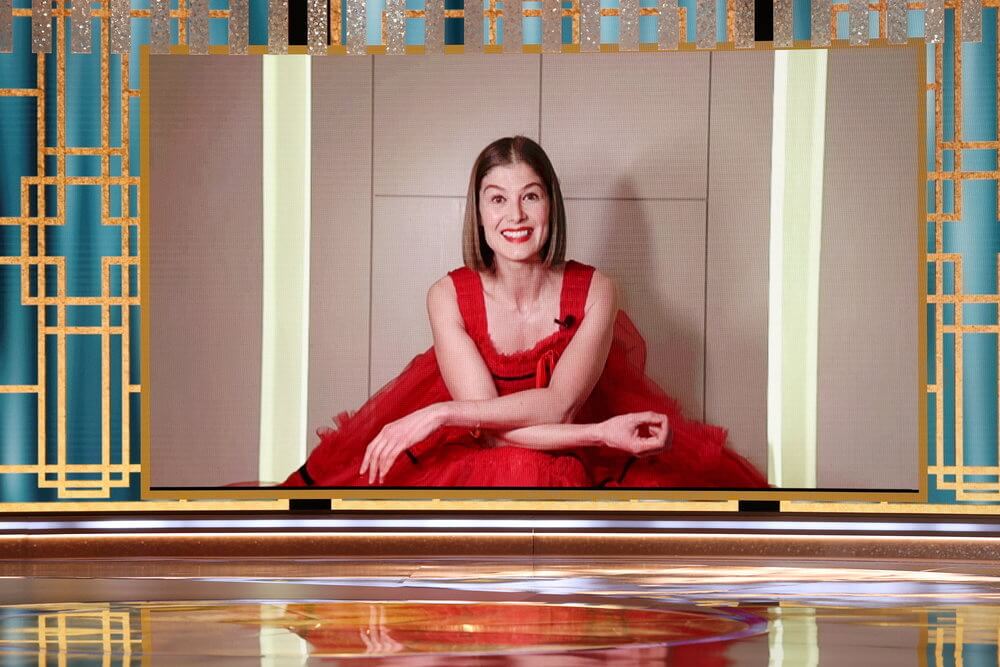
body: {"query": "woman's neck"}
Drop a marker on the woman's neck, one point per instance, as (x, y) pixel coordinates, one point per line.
(520, 284)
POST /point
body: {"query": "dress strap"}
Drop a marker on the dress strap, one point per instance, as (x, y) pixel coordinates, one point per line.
(576, 286)
(469, 301)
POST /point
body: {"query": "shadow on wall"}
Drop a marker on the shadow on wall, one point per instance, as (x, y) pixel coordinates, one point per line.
(626, 251)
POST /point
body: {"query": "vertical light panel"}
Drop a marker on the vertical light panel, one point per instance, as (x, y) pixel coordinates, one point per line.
(797, 154)
(41, 26)
(775, 444)
(669, 25)
(159, 26)
(705, 23)
(285, 314)
(473, 26)
(743, 23)
(433, 25)
(277, 26)
(80, 26)
(934, 22)
(857, 24)
(513, 25)
(239, 26)
(395, 27)
(896, 21)
(552, 26)
(197, 26)
(317, 19)
(783, 14)
(590, 25)
(820, 22)
(793, 637)
(628, 19)
(6, 26)
(972, 20)
(120, 26)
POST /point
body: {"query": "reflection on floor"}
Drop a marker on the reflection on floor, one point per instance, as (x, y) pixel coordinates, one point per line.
(447, 612)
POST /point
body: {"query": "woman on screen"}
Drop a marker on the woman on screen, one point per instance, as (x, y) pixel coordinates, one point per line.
(536, 378)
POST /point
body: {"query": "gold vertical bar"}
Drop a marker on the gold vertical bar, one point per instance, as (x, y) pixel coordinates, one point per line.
(705, 23)
(277, 26)
(744, 14)
(858, 22)
(41, 26)
(61, 456)
(80, 34)
(6, 26)
(239, 26)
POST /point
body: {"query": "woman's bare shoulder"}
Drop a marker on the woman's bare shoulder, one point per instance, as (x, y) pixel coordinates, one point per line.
(442, 297)
(603, 292)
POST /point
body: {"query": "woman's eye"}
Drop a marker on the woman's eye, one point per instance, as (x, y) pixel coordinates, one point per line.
(532, 196)
(498, 199)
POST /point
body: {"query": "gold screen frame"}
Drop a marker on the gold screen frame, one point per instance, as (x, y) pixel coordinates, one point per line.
(541, 499)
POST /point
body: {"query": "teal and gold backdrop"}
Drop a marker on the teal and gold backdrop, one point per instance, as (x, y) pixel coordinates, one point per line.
(69, 204)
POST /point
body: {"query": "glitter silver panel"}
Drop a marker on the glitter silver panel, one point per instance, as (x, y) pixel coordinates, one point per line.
(357, 28)
(934, 22)
(783, 13)
(41, 26)
(277, 26)
(857, 25)
(120, 26)
(628, 20)
(433, 25)
(895, 21)
(239, 26)
(197, 27)
(513, 25)
(395, 27)
(552, 26)
(159, 26)
(705, 23)
(972, 20)
(590, 25)
(80, 26)
(743, 23)
(820, 19)
(6, 22)
(316, 20)
(473, 25)
(669, 32)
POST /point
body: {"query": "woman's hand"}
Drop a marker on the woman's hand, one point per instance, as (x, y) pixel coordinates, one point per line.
(640, 433)
(396, 437)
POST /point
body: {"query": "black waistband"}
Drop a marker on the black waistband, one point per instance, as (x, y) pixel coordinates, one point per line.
(306, 477)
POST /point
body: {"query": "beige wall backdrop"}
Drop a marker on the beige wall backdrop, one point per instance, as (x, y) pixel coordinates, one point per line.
(665, 164)
(205, 269)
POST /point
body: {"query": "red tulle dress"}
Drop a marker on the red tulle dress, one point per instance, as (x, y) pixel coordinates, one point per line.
(453, 457)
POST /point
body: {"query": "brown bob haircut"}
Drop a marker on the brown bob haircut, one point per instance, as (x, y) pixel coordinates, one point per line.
(476, 253)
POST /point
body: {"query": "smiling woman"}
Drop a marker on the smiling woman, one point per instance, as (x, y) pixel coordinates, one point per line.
(503, 400)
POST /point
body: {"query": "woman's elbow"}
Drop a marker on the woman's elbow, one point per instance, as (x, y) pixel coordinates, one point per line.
(568, 414)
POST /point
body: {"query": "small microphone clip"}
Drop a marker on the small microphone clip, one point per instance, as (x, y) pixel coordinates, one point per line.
(566, 322)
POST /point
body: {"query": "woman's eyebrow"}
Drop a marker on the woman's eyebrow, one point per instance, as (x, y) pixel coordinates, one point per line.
(493, 186)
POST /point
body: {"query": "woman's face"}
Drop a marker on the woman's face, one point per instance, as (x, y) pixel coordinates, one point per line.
(514, 210)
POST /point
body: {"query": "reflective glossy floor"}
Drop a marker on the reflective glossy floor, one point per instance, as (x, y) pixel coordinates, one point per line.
(508, 611)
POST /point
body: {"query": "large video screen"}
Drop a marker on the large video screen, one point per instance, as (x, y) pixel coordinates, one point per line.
(634, 273)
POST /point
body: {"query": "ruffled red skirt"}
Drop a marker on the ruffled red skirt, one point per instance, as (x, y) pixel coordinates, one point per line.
(451, 457)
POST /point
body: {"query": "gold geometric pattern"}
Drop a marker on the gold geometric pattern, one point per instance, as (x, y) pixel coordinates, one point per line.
(68, 631)
(112, 467)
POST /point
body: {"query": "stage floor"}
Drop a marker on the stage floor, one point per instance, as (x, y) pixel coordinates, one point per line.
(499, 611)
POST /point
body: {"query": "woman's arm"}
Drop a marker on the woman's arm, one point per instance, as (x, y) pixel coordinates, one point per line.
(470, 384)
(476, 403)
(547, 437)
(637, 433)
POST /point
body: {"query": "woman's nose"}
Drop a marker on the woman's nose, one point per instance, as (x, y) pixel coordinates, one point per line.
(517, 210)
